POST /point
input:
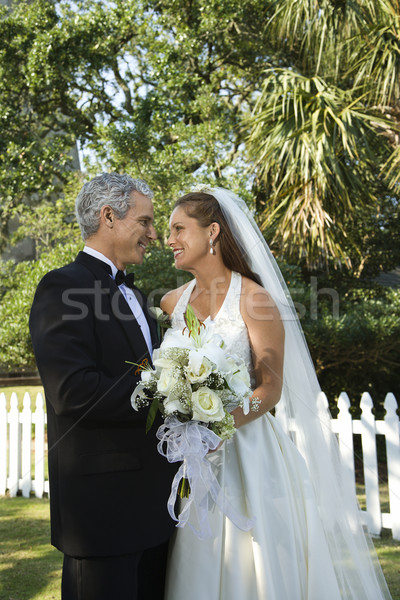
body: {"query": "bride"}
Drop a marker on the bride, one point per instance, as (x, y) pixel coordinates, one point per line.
(283, 471)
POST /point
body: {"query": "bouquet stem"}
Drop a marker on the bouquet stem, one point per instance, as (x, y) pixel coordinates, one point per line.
(184, 488)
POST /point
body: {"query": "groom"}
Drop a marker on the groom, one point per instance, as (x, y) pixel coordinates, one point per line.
(108, 484)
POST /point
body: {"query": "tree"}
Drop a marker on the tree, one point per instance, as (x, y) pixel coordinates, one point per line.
(162, 89)
(35, 142)
(154, 88)
(359, 350)
(57, 239)
(323, 135)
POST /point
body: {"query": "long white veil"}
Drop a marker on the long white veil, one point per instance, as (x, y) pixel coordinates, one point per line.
(307, 420)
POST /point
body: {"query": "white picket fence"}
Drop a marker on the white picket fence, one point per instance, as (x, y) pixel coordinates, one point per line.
(23, 453)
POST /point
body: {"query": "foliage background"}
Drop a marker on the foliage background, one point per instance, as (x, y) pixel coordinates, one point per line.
(292, 104)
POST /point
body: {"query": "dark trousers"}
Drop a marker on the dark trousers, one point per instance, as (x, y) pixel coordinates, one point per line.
(138, 576)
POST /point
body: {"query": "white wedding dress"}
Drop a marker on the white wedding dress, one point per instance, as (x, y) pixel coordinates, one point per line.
(285, 555)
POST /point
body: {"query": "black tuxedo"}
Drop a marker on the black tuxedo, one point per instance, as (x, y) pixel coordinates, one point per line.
(108, 484)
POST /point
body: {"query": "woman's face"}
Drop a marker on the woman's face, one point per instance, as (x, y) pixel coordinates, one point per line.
(189, 241)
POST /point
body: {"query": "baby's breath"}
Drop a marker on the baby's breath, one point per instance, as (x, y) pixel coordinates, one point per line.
(225, 428)
(141, 402)
(183, 391)
(215, 381)
(178, 355)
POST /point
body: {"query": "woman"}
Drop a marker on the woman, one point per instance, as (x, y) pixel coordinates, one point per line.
(307, 541)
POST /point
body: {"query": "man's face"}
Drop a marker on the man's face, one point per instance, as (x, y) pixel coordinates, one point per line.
(134, 232)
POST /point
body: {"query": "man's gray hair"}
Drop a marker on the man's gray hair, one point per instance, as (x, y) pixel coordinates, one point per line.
(111, 189)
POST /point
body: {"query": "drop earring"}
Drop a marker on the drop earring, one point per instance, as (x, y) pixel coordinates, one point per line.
(212, 249)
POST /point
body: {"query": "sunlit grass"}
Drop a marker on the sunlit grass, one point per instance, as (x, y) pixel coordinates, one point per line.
(30, 569)
(388, 551)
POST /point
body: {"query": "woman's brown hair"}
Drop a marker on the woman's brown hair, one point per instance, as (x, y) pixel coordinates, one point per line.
(205, 209)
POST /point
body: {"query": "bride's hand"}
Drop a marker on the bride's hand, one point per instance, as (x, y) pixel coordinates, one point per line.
(217, 448)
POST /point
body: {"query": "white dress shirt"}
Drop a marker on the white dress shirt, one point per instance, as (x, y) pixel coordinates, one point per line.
(129, 296)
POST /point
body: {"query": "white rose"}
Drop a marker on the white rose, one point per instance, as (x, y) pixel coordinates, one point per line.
(167, 381)
(163, 363)
(239, 379)
(156, 311)
(156, 353)
(207, 406)
(147, 375)
(172, 404)
(198, 368)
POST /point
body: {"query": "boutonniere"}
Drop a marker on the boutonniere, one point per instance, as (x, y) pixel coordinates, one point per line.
(162, 318)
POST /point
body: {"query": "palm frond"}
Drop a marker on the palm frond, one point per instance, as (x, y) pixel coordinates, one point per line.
(307, 141)
(374, 63)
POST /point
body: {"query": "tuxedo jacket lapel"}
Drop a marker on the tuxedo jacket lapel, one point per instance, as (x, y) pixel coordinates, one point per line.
(129, 324)
(114, 305)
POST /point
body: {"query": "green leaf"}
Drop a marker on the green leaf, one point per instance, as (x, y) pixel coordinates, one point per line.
(151, 415)
(193, 324)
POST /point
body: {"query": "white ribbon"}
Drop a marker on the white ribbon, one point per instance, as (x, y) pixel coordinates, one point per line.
(189, 443)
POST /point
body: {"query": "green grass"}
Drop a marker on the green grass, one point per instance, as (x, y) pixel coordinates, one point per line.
(388, 551)
(30, 568)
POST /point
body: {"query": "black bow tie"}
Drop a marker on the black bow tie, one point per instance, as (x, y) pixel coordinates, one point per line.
(128, 279)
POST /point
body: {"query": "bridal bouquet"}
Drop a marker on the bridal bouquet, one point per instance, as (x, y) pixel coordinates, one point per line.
(195, 384)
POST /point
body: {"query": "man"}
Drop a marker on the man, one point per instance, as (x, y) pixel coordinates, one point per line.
(108, 484)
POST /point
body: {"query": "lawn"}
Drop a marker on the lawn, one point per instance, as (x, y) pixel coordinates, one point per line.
(30, 569)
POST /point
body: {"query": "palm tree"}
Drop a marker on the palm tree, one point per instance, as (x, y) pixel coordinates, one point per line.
(324, 129)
